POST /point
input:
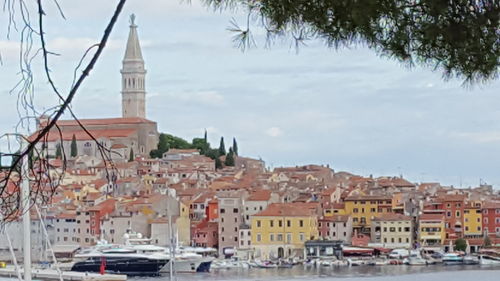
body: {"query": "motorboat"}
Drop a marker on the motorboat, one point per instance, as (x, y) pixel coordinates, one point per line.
(416, 260)
(489, 257)
(184, 260)
(264, 264)
(453, 259)
(469, 260)
(118, 260)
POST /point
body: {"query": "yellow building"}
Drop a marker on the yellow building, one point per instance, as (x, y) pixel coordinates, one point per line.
(473, 221)
(281, 229)
(393, 231)
(334, 209)
(432, 229)
(183, 223)
(363, 208)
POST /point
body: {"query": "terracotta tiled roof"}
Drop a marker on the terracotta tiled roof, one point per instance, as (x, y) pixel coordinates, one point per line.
(81, 135)
(66, 215)
(431, 217)
(452, 197)
(103, 121)
(118, 146)
(392, 217)
(491, 205)
(286, 209)
(367, 197)
(260, 195)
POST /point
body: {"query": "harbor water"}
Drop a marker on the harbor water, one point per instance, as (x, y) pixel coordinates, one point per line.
(358, 273)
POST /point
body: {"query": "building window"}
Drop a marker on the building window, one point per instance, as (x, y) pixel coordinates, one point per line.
(258, 223)
(258, 237)
(279, 237)
(280, 223)
(288, 237)
(222, 211)
(235, 210)
(301, 223)
(289, 223)
(301, 237)
(271, 223)
(271, 237)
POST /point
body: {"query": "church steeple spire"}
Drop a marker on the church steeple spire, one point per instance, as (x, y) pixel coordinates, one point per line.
(133, 76)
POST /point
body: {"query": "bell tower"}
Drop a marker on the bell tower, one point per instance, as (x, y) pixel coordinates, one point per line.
(133, 76)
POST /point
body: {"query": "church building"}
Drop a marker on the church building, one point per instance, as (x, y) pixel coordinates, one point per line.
(130, 134)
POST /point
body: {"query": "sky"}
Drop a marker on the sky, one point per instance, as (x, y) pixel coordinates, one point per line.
(348, 108)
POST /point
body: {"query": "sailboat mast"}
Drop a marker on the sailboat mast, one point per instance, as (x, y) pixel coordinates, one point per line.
(25, 199)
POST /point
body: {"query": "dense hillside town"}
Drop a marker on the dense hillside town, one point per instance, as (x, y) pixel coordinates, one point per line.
(232, 203)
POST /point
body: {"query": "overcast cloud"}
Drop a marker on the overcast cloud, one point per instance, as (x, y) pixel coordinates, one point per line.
(347, 108)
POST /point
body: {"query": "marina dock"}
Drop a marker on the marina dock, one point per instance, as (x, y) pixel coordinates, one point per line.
(51, 274)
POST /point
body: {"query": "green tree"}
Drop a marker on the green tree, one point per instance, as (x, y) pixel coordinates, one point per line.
(201, 145)
(460, 244)
(222, 147)
(235, 147)
(218, 163)
(166, 142)
(74, 147)
(58, 151)
(131, 156)
(457, 37)
(229, 158)
(212, 153)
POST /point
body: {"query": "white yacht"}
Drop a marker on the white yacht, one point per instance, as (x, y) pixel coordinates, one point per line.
(120, 260)
(184, 259)
(489, 256)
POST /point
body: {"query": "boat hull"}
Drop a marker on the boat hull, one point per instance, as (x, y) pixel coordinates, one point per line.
(453, 262)
(128, 266)
(189, 266)
(488, 260)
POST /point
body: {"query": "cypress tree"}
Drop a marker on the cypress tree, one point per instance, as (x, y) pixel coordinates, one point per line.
(222, 147)
(218, 163)
(229, 158)
(205, 137)
(235, 147)
(58, 151)
(131, 156)
(74, 147)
